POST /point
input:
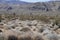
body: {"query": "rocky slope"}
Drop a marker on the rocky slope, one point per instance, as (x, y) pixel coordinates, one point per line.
(46, 8)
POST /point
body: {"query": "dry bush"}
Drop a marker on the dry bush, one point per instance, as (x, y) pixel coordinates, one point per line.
(43, 18)
(53, 37)
(38, 38)
(25, 29)
(0, 17)
(41, 30)
(27, 17)
(26, 38)
(12, 37)
(34, 17)
(56, 21)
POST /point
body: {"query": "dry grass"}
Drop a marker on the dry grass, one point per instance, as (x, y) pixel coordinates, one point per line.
(43, 18)
(34, 17)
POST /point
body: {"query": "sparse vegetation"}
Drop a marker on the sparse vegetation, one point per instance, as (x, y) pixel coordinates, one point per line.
(29, 21)
(31, 17)
(28, 17)
(43, 18)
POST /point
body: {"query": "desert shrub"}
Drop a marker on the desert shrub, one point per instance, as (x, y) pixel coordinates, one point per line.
(27, 17)
(11, 37)
(52, 37)
(25, 29)
(34, 17)
(41, 30)
(44, 18)
(21, 17)
(30, 16)
(57, 21)
(0, 18)
(25, 38)
(29, 24)
(38, 38)
(34, 29)
(10, 16)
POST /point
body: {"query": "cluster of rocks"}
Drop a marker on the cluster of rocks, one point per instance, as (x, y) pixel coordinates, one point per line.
(28, 30)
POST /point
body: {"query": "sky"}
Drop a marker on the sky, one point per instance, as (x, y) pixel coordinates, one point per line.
(35, 0)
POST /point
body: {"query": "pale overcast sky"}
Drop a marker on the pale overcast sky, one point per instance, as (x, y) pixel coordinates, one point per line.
(35, 0)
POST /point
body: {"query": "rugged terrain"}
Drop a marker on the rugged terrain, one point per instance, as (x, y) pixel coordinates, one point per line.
(25, 27)
(29, 21)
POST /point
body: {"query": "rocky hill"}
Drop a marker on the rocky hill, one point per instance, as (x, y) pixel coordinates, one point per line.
(18, 7)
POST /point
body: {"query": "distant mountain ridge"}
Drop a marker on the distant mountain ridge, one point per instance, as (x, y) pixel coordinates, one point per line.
(48, 8)
(13, 1)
